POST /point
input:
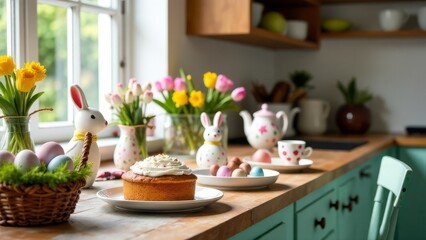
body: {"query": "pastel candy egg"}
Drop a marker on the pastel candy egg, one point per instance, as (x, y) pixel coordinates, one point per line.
(237, 160)
(213, 169)
(58, 161)
(26, 159)
(238, 173)
(256, 172)
(48, 151)
(224, 171)
(262, 155)
(6, 157)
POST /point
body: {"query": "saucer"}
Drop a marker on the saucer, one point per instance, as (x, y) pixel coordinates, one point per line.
(277, 165)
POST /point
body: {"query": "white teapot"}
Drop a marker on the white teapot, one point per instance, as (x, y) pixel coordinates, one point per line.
(264, 132)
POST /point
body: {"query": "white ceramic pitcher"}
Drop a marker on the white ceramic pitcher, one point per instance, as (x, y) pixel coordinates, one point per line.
(313, 116)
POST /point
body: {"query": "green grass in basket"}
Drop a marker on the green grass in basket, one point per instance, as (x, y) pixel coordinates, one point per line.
(11, 175)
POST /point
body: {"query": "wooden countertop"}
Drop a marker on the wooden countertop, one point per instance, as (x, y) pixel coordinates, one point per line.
(236, 211)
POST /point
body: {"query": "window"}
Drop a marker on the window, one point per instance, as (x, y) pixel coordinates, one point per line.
(79, 42)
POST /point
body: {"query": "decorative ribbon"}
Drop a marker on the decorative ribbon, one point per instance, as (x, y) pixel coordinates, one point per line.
(217, 143)
(79, 135)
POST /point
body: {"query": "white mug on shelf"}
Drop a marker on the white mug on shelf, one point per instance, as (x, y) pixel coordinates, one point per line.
(392, 19)
(256, 13)
(297, 29)
(421, 17)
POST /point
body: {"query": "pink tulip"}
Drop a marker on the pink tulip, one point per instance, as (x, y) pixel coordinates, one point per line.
(158, 86)
(132, 81)
(147, 96)
(137, 89)
(180, 84)
(129, 97)
(238, 94)
(116, 100)
(167, 83)
(108, 98)
(223, 84)
(120, 89)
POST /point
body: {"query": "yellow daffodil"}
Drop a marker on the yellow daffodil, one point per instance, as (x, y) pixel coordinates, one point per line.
(25, 79)
(210, 79)
(7, 65)
(196, 99)
(180, 98)
(40, 71)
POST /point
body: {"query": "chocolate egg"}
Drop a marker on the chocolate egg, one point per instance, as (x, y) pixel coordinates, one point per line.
(48, 151)
(256, 172)
(26, 159)
(58, 161)
(6, 157)
(233, 165)
(245, 167)
(236, 160)
(213, 169)
(224, 171)
(262, 155)
(238, 173)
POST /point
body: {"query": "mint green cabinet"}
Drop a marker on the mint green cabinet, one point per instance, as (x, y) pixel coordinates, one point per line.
(412, 214)
(277, 226)
(317, 220)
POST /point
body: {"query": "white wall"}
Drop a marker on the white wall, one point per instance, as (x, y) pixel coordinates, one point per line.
(393, 69)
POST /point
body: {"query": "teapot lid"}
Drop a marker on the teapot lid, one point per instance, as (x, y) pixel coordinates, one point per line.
(264, 112)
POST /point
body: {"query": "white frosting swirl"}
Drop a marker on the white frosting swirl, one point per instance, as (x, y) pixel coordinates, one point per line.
(160, 165)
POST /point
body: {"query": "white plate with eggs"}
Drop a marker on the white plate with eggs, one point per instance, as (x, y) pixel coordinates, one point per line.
(277, 164)
(236, 183)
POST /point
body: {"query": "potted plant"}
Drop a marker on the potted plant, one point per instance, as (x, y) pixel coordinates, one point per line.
(353, 117)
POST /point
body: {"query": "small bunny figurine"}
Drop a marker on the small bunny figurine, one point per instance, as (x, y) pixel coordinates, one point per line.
(86, 120)
(211, 152)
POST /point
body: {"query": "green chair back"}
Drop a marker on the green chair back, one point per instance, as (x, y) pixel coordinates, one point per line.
(391, 185)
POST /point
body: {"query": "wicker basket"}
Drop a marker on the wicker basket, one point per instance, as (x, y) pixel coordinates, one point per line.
(39, 204)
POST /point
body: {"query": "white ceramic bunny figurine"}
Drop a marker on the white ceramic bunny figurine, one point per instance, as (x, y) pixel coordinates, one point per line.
(211, 152)
(86, 120)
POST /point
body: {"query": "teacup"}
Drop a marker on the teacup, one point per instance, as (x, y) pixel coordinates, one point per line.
(292, 151)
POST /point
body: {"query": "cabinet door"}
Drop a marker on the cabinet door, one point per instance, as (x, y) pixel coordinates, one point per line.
(412, 213)
(277, 226)
(366, 184)
(346, 214)
(317, 220)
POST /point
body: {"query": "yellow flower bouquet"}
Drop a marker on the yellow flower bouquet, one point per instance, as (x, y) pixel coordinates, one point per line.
(184, 103)
(17, 95)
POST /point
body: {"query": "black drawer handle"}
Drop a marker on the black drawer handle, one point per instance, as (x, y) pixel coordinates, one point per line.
(320, 222)
(347, 206)
(354, 199)
(334, 205)
(364, 174)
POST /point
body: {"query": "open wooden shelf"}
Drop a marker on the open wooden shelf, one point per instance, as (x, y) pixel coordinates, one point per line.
(364, 1)
(263, 38)
(375, 34)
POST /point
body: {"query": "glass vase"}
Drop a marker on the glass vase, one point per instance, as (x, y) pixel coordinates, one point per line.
(131, 146)
(17, 135)
(183, 134)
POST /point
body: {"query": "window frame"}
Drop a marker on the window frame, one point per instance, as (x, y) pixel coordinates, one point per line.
(22, 43)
